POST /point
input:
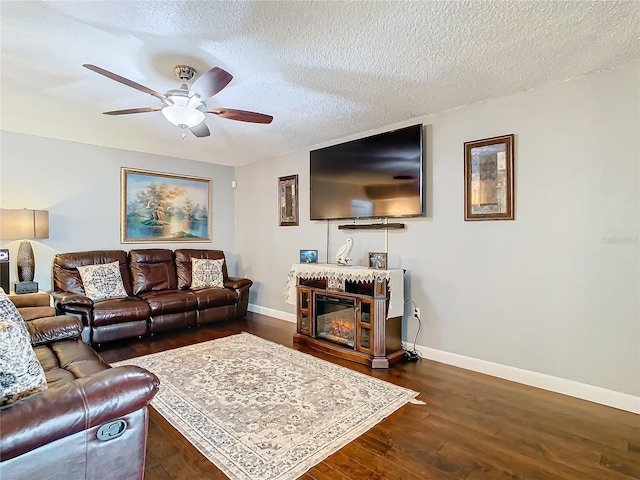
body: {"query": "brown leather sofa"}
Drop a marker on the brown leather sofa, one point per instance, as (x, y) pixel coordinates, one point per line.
(92, 420)
(158, 282)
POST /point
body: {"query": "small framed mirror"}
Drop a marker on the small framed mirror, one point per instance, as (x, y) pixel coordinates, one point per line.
(488, 179)
(288, 200)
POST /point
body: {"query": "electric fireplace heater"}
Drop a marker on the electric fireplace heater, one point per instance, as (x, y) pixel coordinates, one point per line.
(335, 319)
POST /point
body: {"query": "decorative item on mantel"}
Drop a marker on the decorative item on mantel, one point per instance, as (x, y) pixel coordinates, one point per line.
(377, 260)
(342, 256)
(16, 224)
(308, 256)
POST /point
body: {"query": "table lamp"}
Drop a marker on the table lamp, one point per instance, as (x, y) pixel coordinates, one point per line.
(24, 224)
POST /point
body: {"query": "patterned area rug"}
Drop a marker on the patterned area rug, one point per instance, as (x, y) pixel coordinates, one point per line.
(262, 411)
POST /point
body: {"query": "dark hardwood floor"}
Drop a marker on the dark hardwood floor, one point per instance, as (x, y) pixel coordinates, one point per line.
(473, 426)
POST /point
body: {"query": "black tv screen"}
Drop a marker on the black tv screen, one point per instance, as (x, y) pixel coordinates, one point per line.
(373, 177)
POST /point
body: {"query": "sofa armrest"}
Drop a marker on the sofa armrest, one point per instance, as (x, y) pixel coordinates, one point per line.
(237, 283)
(31, 313)
(31, 300)
(33, 305)
(68, 299)
(67, 303)
(52, 329)
(71, 407)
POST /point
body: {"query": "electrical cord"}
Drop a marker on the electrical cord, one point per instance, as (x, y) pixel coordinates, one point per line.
(414, 355)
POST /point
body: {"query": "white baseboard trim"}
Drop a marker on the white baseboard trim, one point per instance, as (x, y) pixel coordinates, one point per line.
(289, 317)
(611, 398)
(591, 393)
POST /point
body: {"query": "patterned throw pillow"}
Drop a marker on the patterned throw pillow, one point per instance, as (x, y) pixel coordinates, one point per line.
(102, 281)
(206, 273)
(20, 372)
(9, 312)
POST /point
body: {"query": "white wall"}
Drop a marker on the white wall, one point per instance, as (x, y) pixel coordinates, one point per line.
(556, 291)
(80, 186)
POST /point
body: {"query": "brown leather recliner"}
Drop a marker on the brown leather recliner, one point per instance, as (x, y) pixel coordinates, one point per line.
(154, 280)
(213, 304)
(104, 320)
(158, 282)
(92, 420)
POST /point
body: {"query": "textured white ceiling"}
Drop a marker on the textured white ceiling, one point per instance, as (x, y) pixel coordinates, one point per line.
(324, 69)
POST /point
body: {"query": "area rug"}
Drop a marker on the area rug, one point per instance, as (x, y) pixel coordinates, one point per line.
(263, 411)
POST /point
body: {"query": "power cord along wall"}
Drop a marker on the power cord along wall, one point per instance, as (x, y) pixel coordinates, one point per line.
(414, 355)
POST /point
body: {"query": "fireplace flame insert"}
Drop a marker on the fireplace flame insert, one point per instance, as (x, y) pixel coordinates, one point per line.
(335, 319)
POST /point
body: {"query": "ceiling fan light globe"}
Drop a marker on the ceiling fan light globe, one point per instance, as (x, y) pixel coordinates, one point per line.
(195, 101)
(177, 97)
(181, 115)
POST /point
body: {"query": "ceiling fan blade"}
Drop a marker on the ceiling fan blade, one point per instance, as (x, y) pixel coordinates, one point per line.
(133, 110)
(125, 81)
(200, 130)
(210, 83)
(240, 115)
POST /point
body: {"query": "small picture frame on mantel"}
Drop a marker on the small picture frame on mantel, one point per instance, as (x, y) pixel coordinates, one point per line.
(288, 200)
(488, 179)
(378, 260)
(308, 256)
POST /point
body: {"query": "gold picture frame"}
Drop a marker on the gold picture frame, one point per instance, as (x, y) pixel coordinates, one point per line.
(288, 200)
(488, 179)
(163, 207)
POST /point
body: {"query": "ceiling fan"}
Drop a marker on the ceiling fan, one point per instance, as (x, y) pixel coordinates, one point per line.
(185, 107)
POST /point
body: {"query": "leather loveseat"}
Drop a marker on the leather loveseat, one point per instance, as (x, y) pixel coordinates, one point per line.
(91, 422)
(159, 294)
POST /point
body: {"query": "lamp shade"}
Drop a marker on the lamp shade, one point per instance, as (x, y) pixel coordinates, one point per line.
(17, 224)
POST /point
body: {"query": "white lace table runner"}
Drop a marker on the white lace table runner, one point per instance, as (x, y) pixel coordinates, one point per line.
(354, 273)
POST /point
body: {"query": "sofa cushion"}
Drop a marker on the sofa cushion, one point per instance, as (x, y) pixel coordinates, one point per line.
(206, 273)
(21, 374)
(65, 268)
(52, 329)
(215, 297)
(152, 270)
(119, 310)
(78, 358)
(68, 360)
(184, 257)
(176, 301)
(9, 312)
(102, 281)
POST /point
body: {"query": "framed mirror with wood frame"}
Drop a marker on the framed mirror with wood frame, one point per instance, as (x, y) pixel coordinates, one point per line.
(288, 196)
(488, 179)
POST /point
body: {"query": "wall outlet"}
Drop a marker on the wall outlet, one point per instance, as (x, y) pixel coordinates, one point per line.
(416, 312)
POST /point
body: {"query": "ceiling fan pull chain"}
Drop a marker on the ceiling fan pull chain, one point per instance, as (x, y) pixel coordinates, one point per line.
(184, 132)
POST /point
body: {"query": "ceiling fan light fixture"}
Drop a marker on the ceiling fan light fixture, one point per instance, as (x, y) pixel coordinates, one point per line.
(181, 115)
(195, 101)
(185, 107)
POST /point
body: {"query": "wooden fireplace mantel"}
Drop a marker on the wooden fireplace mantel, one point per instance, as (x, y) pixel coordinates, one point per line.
(377, 328)
(331, 273)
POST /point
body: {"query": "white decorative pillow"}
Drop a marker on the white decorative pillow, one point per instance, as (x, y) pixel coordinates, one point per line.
(20, 372)
(9, 312)
(206, 273)
(102, 281)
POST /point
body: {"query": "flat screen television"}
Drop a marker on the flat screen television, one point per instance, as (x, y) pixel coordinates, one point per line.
(373, 177)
